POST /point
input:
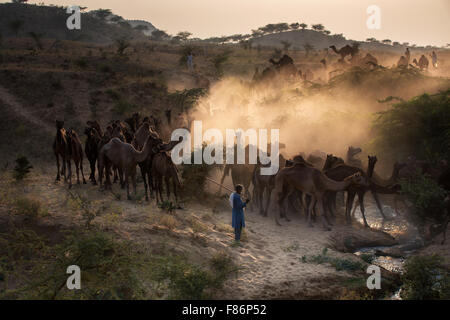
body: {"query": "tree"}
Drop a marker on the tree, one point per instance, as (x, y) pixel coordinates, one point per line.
(280, 27)
(371, 40)
(294, 26)
(102, 13)
(159, 35)
(318, 27)
(22, 168)
(122, 45)
(184, 35)
(308, 48)
(15, 26)
(257, 33)
(327, 32)
(19, 1)
(286, 45)
(386, 41)
(303, 26)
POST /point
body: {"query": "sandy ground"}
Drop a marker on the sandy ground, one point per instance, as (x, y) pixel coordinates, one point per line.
(270, 258)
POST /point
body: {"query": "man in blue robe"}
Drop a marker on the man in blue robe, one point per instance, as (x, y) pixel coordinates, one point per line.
(238, 221)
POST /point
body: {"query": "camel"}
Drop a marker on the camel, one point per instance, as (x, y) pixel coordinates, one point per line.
(134, 121)
(423, 63)
(351, 160)
(123, 156)
(141, 135)
(345, 51)
(312, 182)
(264, 184)
(368, 61)
(76, 154)
(163, 167)
(380, 186)
(402, 62)
(91, 149)
(60, 149)
(339, 173)
(285, 65)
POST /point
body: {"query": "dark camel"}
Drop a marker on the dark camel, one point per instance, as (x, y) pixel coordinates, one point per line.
(164, 168)
(91, 148)
(61, 149)
(345, 51)
(312, 182)
(75, 154)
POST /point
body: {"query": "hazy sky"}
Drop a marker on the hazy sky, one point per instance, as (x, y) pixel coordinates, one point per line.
(416, 21)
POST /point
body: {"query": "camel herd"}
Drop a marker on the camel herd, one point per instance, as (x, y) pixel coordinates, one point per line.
(119, 149)
(315, 182)
(285, 65)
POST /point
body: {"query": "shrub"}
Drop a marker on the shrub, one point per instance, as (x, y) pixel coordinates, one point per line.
(427, 197)
(22, 168)
(420, 126)
(425, 278)
(31, 208)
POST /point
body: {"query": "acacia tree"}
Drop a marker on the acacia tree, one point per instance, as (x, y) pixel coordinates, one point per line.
(294, 26)
(183, 35)
(303, 26)
(318, 27)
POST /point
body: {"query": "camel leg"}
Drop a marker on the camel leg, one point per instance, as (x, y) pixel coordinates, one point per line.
(269, 191)
(260, 194)
(348, 208)
(160, 187)
(377, 201)
(77, 168)
(175, 190)
(280, 200)
(167, 181)
(127, 184)
(64, 168)
(309, 210)
(115, 175)
(92, 176)
(144, 177)
(58, 177)
(133, 180)
(82, 173)
(319, 200)
(361, 205)
(69, 165)
(107, 176)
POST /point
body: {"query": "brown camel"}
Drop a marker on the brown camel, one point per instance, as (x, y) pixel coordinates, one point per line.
(138, 142)
(75, 154)
(61, 149)
(339, 173)
(312, 182)
(163, 167)
(345, 51)
(264, 184)
(351, 160)
(369, 61)
(402, 62)
(423, 63)
(285, 65)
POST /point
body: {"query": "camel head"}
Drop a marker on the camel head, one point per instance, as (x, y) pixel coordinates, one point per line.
(372, 159)
(358, 179)
(353, 151)
(59, 124)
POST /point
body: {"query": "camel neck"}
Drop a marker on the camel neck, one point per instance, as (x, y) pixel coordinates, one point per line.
(333, 185)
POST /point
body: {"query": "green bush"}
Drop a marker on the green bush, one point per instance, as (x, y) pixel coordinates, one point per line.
(420, 126)
(426, 195)
(425, 278)
(22, 168)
